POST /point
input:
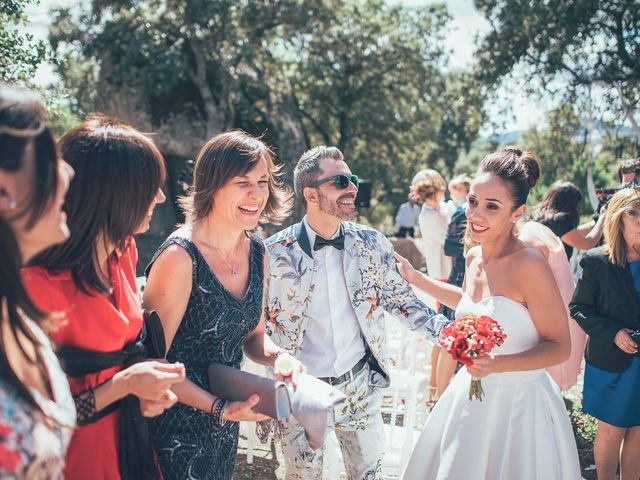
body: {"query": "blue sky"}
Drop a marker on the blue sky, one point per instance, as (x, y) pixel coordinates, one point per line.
(465, 27)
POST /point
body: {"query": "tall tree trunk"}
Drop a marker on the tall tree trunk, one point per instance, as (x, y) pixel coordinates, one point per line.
(284, 118)
(217, 116)
(595, 145)
(628, 111)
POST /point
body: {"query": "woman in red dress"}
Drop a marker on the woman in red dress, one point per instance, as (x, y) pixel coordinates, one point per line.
(89, 281)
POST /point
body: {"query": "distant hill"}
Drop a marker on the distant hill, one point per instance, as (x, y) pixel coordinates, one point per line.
(515, 136)
(505, 138)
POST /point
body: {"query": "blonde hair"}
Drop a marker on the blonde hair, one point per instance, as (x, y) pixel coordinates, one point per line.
(426, 184)
(616, 247)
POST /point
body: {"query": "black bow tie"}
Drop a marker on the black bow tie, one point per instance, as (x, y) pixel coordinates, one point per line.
(337, 242)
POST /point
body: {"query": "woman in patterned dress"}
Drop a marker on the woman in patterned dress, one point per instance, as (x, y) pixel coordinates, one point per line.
(206, 283)
(37, 414)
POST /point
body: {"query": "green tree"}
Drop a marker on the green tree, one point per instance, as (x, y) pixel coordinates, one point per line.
(565, 154)
(20, 54)
(186, 70)
(569, 47)
(372, 81)
(364, 75)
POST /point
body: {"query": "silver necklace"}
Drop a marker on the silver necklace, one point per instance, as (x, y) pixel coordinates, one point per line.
(232, 268)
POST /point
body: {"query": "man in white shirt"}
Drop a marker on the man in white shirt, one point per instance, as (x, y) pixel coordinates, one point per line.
(330, 281)
(406, 218)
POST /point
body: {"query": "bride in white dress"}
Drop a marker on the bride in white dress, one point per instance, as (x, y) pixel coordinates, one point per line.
(520, 430)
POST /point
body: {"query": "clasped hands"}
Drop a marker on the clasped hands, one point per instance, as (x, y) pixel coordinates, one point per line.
(151, 382)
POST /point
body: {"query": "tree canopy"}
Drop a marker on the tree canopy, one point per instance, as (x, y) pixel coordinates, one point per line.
(366, 76)
(20, 54)
(565, 47)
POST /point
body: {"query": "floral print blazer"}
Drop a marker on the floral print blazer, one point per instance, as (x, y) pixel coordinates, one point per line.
(373, 282)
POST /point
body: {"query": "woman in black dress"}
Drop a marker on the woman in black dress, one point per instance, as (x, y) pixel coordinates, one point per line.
(206, 283)
(559, 212)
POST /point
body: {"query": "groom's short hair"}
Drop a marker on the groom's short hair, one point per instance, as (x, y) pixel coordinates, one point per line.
(308, 168)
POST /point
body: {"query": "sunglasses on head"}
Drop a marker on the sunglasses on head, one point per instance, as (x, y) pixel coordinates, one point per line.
(341, 181)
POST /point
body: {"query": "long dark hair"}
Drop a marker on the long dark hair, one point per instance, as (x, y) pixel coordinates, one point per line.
(22, 124)
(562, 200)
(118, 172)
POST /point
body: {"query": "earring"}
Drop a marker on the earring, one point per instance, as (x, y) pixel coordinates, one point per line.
(12, 204)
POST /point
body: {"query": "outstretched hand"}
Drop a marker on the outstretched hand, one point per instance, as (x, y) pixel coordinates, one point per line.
(405, 268)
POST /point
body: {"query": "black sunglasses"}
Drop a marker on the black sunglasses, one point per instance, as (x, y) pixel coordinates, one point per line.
(341, 181)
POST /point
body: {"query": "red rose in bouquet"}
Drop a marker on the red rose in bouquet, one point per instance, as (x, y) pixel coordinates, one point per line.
(459, 350)
(470, 337)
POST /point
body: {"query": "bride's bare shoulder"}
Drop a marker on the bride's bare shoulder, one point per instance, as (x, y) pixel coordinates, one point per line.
(527, 254)
(531, 262)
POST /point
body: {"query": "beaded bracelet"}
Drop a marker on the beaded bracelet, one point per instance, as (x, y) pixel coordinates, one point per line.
(217, 409)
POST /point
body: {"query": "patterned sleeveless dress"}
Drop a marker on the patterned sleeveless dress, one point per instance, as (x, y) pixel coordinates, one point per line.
(188, 443)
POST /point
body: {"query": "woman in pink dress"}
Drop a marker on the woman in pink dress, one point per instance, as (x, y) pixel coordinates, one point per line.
(546, 242)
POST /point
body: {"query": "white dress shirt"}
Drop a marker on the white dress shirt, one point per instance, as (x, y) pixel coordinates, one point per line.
(333, 341)
(407, 215)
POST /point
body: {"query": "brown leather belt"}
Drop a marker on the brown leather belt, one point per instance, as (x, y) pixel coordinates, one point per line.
(347, 376)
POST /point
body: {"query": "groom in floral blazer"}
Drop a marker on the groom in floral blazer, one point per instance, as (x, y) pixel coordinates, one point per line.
(329, 284)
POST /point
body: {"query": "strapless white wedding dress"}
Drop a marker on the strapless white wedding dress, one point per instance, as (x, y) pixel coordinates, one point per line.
(519, 431)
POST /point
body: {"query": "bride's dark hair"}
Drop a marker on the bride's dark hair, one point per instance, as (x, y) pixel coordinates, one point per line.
(520, 170)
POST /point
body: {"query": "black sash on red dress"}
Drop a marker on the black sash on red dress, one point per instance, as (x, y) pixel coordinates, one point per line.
(136, 457)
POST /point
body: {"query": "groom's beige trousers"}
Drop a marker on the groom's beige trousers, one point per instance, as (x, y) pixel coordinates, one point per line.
(359, 428)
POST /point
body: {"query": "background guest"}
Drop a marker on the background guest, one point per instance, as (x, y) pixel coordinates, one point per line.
(548, 244)
(459, 189)
(559, 210)
(37, 414)
(407, 217)
(429, 187)
(628, 171)
(91, 280)
(606, 304)
(454, 249)
(206, 282)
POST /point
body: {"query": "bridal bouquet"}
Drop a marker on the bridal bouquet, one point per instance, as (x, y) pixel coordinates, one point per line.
(470, 337)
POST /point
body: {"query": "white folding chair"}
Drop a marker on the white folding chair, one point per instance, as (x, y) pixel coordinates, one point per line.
(408, 384)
